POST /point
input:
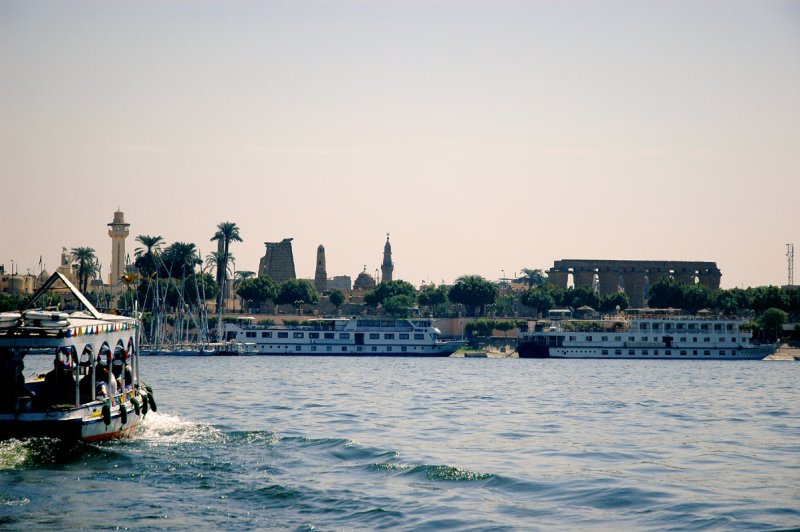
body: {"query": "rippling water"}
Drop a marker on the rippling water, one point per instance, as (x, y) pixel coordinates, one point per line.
(332, 443)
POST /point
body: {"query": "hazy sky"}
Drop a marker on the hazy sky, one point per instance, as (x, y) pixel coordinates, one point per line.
(483, 135)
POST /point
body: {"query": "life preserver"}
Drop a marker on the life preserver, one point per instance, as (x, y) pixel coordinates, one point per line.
(123, 413)
(107, 413)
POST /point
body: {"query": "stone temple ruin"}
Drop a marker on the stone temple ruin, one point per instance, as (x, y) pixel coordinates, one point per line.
(632, 276)
(278, 261)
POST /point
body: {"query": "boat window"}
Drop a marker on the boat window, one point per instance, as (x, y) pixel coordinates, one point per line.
(386, 323)
(683, 339)
(374, 348)
(403, 349)
(604, 338)
(329, 336)
(419, 336)
(631, 352)
(388, 348)
(644, 338)
(298, 335)
(618, 338)
(656, 326)
(388, 336)
(374, 336)
(722, 353)
(645, 352)
(404, 336)
(266, 335)
(329, 348)
(360, 348)
(704, 326)
(313, 348)
(250, 334)
(679, 326)
(668, 352)
(683, 353)
(706, 339)
(604, 352)
(730, 326)
(313, 335)
(344, 336)
(707, 353)
(283, 335)
(297, 348)
(643, 326)
(571, 338)
(692, 326)
(618, 351)
(588, 338)
(631, 338)
(344, 348)
(717, 326)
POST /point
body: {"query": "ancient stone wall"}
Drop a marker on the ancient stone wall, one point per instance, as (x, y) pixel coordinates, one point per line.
(633, 276)
(278, 261)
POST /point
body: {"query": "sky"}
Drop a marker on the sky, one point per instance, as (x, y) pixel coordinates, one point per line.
(484, 136)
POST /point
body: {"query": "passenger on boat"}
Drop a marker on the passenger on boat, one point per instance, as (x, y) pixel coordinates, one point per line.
(121, 369)
(59, 384)
(11, 379)
(102, 379)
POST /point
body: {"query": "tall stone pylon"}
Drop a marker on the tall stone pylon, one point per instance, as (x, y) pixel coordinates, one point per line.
(321, 274)
(118, 231)
(388, 266)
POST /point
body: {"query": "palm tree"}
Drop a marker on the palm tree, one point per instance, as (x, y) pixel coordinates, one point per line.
(146, 261)
(534, 277)
(84, 259)
(242, 275)
(227, 232)
(214, 260)
(180, 259)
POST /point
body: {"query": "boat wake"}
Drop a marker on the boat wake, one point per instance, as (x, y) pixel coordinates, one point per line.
(164, 428)
(34, 452)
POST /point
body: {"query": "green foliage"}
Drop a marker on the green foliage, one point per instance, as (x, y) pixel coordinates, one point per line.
(534, 278)
(609, 303)
(336, 297)
(398, 306)
(292, 323)
(505, 305)
(473, 291)
(485, 327)
(257, 291)
(12, 302)
(199, 286)
(578, 297)
(85, 262)
(434, 297)
(178, 260)
(385, 290)
(539, 298)
(266, 322)
(146, 257)
(296, 290)
(771, 321)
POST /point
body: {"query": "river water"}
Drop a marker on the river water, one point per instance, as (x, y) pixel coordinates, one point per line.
(365, 443)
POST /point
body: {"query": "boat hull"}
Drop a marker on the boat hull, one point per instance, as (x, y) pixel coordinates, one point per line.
(84, 424)
(530, 350)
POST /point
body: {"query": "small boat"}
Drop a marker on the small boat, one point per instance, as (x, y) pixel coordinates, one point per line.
(93, 392)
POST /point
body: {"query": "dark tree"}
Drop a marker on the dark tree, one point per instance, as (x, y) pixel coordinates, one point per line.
(473, 291)
(295, 290)
(389, 289)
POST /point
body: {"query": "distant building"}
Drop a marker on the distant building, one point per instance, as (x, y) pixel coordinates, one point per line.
(387, 267)
(278, 261)
(320, 274)
(340, 282)
(118, 231)
(364, 281)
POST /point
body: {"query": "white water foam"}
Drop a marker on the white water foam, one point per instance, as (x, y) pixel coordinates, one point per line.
(169, 428)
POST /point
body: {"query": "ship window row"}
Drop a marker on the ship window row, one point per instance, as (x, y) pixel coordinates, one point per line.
(331, 336)
(706, 339)
(667, 352)
(344, 349)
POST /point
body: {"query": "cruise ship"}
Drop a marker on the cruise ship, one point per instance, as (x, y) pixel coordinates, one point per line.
(642, 336)
(342, 337)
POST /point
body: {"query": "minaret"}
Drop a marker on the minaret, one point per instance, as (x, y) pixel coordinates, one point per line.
(118, 232)
(388, 266)
(321, 275)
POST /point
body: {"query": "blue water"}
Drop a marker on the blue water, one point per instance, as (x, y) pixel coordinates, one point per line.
(348, 443)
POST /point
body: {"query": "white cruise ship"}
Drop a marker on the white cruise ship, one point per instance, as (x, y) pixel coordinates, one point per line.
(343, 336)
(642, 337)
